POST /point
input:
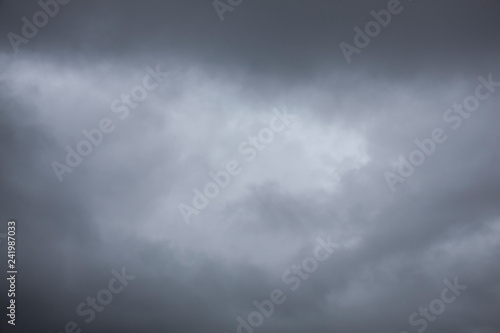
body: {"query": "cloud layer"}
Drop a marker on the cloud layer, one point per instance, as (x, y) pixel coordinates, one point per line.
(322, 177)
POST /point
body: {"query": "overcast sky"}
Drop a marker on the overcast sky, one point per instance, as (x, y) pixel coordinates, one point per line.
(361, 140)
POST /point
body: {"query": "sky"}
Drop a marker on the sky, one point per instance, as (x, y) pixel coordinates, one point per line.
(250, 166)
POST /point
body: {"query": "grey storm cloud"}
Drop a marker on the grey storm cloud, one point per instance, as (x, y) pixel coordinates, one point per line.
(422, 256)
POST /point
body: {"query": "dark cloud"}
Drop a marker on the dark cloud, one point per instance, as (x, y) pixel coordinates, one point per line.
(322, 176)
